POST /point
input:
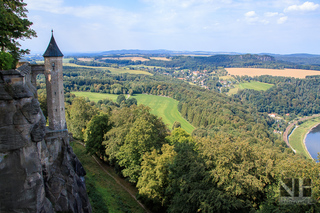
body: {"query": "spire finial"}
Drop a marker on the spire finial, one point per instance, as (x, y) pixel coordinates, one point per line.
(51, 31)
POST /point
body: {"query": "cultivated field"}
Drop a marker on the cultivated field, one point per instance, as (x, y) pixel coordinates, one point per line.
(111, 69)
(127, 58)
(255, 85)
(85, 59)
(164, 107)
(296, 73)
(160, 58)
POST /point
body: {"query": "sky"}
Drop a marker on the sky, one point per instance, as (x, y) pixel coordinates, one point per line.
(244, 26)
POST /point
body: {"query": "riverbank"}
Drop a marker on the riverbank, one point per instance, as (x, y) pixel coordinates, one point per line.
(305, 136)
(304, 141)
(297, 137)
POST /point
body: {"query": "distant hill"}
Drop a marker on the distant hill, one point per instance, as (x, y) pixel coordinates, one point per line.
(298, 58)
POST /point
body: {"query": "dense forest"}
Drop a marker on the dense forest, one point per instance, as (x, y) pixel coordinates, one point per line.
(220, 172)
(289, 95)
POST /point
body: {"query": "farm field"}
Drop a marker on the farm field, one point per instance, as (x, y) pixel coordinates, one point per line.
(161, 58)
(105, 193)
(111, 69)
(255, 85)
(164, 107)
(127, 58)
(296, 73)
(93, 96)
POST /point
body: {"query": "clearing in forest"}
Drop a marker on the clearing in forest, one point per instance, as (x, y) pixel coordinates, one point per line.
(93, 96)
(255, 85)
(166, 108)
(296, 73)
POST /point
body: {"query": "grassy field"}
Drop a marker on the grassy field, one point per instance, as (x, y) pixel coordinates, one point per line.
(111, 69)
(256, 85)
(105, 194)
(166, 108)
(96, 96)
(297, 137)
(297, 73)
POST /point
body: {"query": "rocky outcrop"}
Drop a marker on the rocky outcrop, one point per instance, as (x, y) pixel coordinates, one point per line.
(38, 170)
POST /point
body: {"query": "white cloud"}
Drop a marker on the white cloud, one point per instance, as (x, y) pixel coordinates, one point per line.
(250, 14)
(305, 7)
(271, 14)
(282, 20)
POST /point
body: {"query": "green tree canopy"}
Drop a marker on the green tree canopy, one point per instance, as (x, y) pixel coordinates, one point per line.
(97, 127)
(78, 115)
(14, 26)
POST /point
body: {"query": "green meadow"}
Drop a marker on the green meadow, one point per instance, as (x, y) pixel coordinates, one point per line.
(255, 85)
(93, 96)
(164, 107)
(296, 139)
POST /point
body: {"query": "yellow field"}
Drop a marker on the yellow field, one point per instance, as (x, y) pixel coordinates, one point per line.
(85, 59)
(296, 73)
(161, 58)
(128, 58)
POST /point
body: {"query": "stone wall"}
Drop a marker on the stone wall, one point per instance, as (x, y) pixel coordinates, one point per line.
(38, 170)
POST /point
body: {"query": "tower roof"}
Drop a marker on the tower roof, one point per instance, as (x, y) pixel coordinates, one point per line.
(52, 49)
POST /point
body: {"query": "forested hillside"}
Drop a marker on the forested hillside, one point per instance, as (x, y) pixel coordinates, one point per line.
(202, 62)
(290, 95)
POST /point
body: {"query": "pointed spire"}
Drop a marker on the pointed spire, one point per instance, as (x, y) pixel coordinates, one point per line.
(53, 49)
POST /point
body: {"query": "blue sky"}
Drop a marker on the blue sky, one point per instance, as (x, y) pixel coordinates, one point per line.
(246, 26)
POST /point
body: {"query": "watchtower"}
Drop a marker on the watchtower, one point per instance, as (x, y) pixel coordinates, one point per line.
(54, 83)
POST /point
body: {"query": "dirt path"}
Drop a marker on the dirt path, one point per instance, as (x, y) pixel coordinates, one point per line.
(117, 181)
(286, 133)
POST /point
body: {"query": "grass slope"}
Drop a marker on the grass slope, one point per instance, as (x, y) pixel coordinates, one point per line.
(112, 69)
(297, 137)
(255, 85)
(164, 107)
(96, 96)
(104, 193)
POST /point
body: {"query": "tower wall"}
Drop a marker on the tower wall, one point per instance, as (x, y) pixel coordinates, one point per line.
(55, 92)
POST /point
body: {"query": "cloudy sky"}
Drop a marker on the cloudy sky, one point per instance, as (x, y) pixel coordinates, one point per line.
(246, 26)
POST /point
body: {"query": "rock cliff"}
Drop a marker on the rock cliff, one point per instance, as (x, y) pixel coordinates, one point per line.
(38, 170)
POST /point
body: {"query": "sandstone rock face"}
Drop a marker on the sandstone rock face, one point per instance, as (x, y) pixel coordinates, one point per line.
(38, 170)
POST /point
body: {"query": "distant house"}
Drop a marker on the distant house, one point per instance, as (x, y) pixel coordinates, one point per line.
(196, 73)
(272, 115)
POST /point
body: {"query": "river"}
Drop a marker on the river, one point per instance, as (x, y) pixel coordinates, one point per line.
(313, 142)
